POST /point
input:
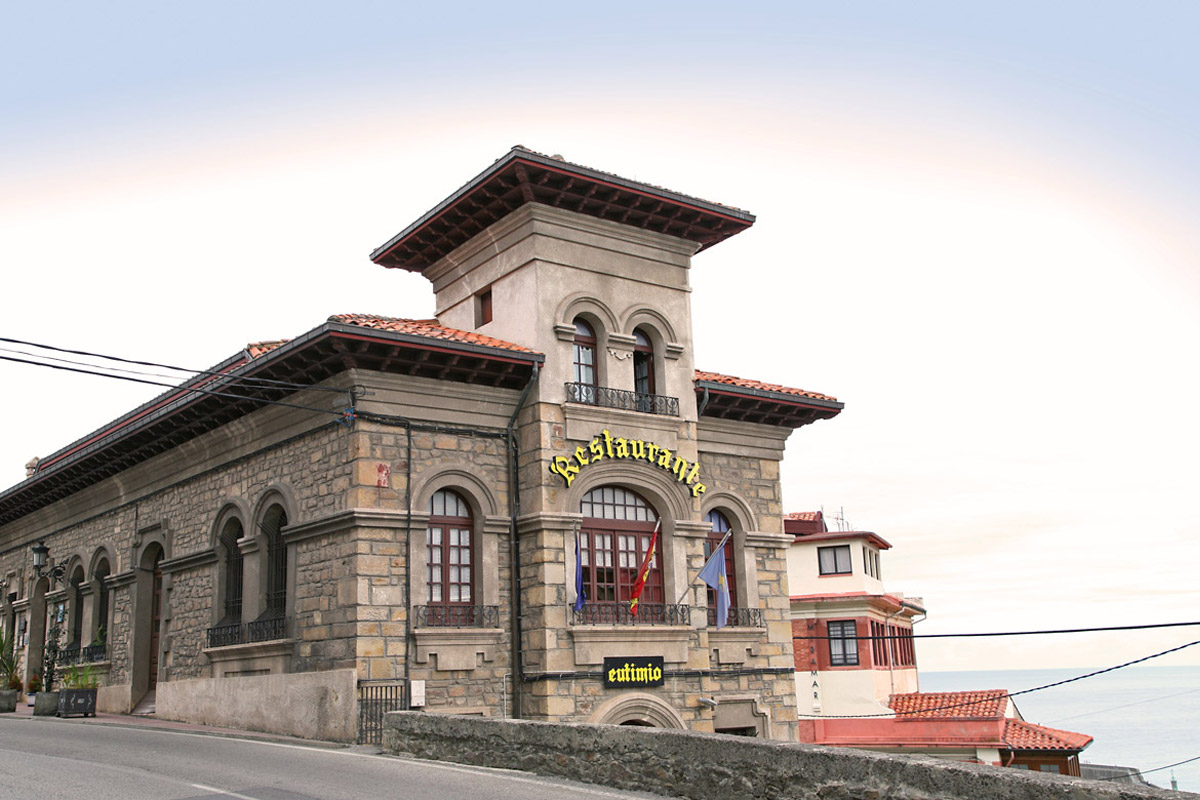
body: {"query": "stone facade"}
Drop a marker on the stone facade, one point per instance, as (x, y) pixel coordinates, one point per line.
(413, 515)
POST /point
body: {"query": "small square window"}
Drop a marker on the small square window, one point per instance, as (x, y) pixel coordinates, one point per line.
(834, 560)
(483, 308)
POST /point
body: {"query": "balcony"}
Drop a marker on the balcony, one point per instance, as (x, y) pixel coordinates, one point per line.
(739, 618)
(260, 630)
(619, 614)
(605, 397)
(91, 654)
(457, 616)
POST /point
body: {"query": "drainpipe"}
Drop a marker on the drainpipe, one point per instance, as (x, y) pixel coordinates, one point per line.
(514, 509)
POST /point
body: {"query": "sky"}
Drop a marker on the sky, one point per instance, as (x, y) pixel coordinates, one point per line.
(975, 227)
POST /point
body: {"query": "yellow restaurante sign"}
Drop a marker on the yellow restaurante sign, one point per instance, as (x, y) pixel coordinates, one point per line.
(605, 445)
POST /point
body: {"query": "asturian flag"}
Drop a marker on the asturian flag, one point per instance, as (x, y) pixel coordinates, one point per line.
(643, 573)
(714, 575)
(580, 594)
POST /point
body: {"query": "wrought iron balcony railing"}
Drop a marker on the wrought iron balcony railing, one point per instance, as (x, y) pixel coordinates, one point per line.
(260, 630)
(70, 656)
(619, 614)
(225, 635)
(266, 630)
(739, 618)
(619, 398)
(457, 616)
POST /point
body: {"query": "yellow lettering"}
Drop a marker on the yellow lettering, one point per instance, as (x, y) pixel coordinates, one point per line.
(680, 467)
(612, 676)
(638, 448)
(622, 447)
(561, 465)
(581, 456)
(597, 449)
(698, 489)
(656, 673)
(694, 473)
(608, 442)
(664, 460)
(651, 451)
(642, 674)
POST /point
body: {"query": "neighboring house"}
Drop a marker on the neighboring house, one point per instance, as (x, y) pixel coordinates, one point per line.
(389, 512)
(857, 683)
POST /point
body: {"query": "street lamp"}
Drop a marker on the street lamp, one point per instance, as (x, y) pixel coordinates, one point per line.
(41, 555)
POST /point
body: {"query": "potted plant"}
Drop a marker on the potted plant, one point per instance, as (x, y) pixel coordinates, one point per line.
(8, 675)
(46, 704)
(32, 688)
(78, 693)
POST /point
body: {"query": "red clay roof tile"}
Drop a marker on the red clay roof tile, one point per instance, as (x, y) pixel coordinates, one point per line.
(1021, 735)
(429, 328)
(745, 383)
(987, 703)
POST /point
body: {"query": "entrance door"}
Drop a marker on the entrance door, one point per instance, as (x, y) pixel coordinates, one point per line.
(155, 621)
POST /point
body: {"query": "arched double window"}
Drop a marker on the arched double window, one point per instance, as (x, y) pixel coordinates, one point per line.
(450, 560)
(615, 535)
(719, 526)
(232, 561)
(644, 382)
(584, 363)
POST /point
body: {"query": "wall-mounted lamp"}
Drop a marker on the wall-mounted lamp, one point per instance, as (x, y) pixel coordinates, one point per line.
(41, 554)
(711, 702)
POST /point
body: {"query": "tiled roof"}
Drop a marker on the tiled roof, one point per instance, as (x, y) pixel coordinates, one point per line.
(745, 383)
(428, 328)
(1021, 735)
(988, 703)
(256, 349)
(806, 516)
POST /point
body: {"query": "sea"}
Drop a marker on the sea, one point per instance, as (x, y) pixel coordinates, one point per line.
(1141, 717)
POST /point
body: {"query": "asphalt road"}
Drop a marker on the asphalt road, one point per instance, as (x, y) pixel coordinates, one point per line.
(49, 759)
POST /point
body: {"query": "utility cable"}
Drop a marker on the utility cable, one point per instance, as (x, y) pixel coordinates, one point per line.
(247, 379)
(182, 389)
(1156, 769)
(906, 636)
(1126, 705)
(1003, 697)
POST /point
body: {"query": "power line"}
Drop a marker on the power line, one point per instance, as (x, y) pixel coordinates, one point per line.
(245, 379)
(906, 636)
(1156, 769)
(1126, 705)
(182, 389)
(1006, 696)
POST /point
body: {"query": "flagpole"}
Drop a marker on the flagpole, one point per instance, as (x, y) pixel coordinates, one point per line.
(711, 556)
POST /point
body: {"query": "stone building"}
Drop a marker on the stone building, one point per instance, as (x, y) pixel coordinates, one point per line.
(408, 508)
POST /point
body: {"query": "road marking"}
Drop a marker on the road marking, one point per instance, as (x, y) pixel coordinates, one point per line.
(222, 792)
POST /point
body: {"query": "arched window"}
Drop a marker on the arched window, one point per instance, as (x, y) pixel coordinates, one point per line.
(584, 360)
(719, 526)
(450, 565)
(643, 370)
(231, 612)
(274, 521)
(100, 614)
(75, 611)
(617, 527)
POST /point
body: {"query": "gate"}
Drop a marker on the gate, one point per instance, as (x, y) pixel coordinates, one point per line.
(376, 698)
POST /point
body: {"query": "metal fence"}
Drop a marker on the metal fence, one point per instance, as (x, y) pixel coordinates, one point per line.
(620, 398)
(260, 630)
(457, 616)
(620, 614)
(375, 700)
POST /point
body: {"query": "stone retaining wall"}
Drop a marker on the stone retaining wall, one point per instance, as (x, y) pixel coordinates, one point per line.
(713, 767)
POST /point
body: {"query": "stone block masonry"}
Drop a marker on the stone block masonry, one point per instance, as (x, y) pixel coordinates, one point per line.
(714, 767)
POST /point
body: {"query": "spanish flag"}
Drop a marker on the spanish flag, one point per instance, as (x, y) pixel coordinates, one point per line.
(644, 572)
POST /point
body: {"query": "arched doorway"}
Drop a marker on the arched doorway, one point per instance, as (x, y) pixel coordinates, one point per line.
(147, 641)
(637, 708)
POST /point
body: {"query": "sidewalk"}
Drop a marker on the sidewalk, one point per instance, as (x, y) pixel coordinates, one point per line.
(153, 723)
